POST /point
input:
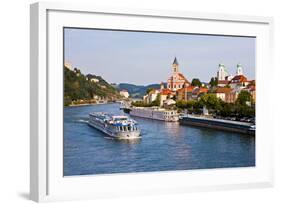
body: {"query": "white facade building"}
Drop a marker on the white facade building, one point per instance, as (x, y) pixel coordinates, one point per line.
(95, 80)
(124, 93)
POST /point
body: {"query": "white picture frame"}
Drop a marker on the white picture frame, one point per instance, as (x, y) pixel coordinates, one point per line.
(46, 179)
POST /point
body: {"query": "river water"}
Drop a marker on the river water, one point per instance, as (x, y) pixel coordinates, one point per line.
(164, 146)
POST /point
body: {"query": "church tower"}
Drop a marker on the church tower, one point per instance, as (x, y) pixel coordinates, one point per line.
(222, 72)
(239, 70)
(175, 66)
(177, 80)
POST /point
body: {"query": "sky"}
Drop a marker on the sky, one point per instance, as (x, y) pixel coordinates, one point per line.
(144, 58)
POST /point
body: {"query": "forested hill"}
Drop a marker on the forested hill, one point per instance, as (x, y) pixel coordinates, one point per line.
(137, 91)
(80, 87)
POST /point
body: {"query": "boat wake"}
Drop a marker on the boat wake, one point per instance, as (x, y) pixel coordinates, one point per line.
(83, 121)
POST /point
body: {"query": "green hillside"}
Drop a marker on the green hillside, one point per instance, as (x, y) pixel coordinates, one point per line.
(78, 87)
(137, 91)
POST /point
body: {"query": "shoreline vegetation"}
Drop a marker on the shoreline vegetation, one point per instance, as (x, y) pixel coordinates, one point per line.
(243, 107)
(89, 103)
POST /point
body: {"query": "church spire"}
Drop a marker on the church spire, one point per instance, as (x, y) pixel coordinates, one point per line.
(175, 61)
(175, 66)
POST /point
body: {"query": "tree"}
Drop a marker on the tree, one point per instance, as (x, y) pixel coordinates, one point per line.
(243, 97)
(214, 81)
(196, 82)
(226, 109)
(210, 101)
(148, 90)
(77, 87)
(139, 103)
(244, 110)
(181, 104)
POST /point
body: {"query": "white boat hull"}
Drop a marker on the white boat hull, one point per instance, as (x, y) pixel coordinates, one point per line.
(117, 134)
(162, 115)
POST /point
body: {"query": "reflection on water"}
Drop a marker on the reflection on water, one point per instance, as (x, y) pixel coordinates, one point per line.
(125, 141)
(164, 146)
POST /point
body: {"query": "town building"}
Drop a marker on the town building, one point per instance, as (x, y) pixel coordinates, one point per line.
(231, 97)
(222, 92)
(124, 93)
(164, 95)
(169, 103)
(229, 86)
(151, 96)
(177, 80)
(239, 82)
(92, 78)
(95, 80)
(251, 88)
(185, 93)
(191, 93)
(224, 78)
(68, 66)
(198, 92)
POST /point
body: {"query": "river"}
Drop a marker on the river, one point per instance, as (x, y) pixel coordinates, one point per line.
(164, 146)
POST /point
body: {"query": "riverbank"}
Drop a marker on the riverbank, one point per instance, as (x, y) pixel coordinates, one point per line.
(87, 104)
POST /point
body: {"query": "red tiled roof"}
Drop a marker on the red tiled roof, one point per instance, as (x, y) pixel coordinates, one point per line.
(223, 90)
(190, 88)
(187, 89)
(203, 90)
(239, 79)
(223, 81)
(182, 76)
(165, 91)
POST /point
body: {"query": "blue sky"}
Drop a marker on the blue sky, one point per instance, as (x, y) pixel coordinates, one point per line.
(143, 57)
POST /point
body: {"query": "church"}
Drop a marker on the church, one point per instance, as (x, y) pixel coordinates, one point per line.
(177, 80)
(225, 79)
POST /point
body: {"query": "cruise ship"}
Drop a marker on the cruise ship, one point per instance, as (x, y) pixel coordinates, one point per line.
(115, 126)
(155, 113)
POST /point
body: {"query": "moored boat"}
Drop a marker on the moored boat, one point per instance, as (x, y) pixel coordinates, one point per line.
(220, 124)
(155, 113)
(115, 126)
